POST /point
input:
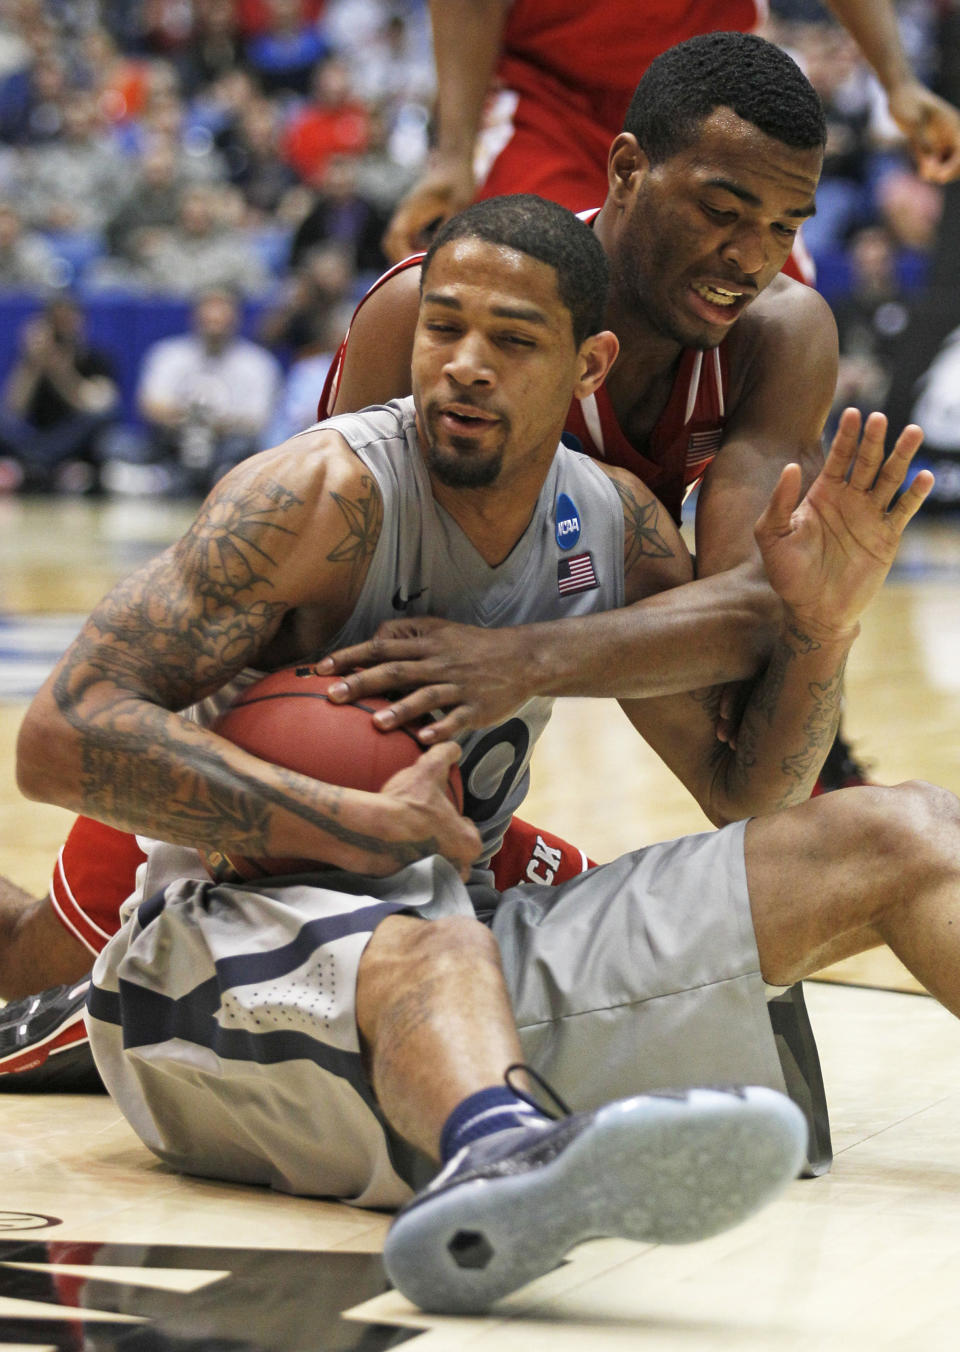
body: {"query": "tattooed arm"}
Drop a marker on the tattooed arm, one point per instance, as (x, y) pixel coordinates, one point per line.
(266, 574)
(826, 558)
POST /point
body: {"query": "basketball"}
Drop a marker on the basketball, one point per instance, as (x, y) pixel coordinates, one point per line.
(288, 719)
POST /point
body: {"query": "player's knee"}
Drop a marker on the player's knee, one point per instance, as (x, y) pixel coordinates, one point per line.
(912, 830)
(452, 942)
(935, 822)
(403, 944)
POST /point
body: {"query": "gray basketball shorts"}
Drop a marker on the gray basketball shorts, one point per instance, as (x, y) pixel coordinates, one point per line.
(222, 1019)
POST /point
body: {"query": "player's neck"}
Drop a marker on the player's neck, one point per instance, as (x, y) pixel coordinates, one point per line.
(494, 518)
(642, 376)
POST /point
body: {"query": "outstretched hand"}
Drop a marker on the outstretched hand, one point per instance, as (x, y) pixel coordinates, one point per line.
(474, 675)
(827, 555)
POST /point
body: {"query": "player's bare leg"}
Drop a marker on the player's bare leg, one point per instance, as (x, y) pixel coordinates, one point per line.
(841, 874)
(435, 1019)
(517, 1189)
(36, 950)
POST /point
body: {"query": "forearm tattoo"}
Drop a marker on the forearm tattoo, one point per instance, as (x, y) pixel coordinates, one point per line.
(171, 633)
(800, 767)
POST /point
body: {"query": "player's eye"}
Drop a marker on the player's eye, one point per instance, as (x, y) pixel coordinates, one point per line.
(718, 215)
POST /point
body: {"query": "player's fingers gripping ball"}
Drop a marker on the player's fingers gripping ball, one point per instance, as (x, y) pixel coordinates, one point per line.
(286, 718)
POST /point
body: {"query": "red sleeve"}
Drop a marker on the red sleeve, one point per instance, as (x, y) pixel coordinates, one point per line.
(530, 855)
(95, 872)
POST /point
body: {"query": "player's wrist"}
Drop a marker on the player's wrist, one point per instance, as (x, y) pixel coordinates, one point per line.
(805, 630)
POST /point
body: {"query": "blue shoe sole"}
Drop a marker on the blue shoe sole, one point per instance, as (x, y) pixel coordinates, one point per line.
(658, 1169)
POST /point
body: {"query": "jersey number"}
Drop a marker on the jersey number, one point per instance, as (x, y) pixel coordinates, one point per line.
(491, 768)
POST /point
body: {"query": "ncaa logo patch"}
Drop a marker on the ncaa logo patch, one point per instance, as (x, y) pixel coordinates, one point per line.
(568, 522)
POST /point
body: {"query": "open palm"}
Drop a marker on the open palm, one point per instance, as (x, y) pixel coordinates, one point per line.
(827, 555)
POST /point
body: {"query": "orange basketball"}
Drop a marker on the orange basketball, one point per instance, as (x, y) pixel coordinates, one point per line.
(288, 719)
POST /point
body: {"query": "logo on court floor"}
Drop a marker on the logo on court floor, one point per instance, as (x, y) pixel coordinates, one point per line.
(26, 1220)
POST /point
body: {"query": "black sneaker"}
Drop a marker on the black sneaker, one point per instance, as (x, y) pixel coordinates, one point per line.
(44, 1046)
(662, 1168)
(841, 769)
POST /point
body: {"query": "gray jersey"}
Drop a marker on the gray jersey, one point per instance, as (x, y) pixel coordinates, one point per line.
(569, 561)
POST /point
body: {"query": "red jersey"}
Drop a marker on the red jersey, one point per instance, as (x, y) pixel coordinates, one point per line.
(684, 440)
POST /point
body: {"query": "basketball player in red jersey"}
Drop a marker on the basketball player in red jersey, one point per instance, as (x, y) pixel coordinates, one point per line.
(530, 94)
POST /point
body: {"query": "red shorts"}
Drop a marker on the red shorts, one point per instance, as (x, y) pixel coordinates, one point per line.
(96, 872)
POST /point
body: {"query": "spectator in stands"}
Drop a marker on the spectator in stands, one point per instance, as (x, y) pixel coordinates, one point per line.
(251, 151)
(831, 61)
(910, 209)
(27, 263)
(203, 250)
(120, 83)
(167, 116)
(342, 215)
(76, 182)
(215, 48)
(207, 396)
(151, 208)
(392, 68)
(297, 404)
(937, 410)
(317, 290)
(383, 175)
(284, 55)
(31, 102)
(59, 400)
(872, 318)
(333, 122)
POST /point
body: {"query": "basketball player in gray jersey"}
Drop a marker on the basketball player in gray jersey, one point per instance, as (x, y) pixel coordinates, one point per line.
(315, 1034)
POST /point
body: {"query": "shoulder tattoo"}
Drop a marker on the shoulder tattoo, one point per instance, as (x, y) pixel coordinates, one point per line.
(642, 536)
(200, 609)
(363, 515)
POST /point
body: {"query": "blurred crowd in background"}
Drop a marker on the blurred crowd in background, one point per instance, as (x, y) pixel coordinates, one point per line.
(202, 186)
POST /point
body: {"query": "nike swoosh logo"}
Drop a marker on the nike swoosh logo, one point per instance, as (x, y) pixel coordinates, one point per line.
(401, 602)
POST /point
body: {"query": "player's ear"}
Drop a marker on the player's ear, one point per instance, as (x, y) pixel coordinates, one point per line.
(594, 359)
(625, 162)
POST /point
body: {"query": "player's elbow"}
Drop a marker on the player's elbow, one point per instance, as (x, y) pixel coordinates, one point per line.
(39, 760)
(31, 775)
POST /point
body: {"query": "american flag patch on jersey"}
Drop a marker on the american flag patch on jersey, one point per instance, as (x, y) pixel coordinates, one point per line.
(576, 574)
(703, 446)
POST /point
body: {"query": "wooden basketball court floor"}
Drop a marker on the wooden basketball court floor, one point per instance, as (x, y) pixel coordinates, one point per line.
(101, 1247)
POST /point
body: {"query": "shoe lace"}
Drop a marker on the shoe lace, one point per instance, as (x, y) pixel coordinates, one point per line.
(520, 1068)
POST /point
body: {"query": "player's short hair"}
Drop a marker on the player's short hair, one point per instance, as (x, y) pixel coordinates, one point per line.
(549, 233)
(756, 79)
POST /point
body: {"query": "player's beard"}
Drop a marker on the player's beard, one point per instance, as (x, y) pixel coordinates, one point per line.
(460, 464)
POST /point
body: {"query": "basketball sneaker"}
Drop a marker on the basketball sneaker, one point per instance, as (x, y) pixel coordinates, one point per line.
(660, 1168)
(44, 1046)
(841, 769)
